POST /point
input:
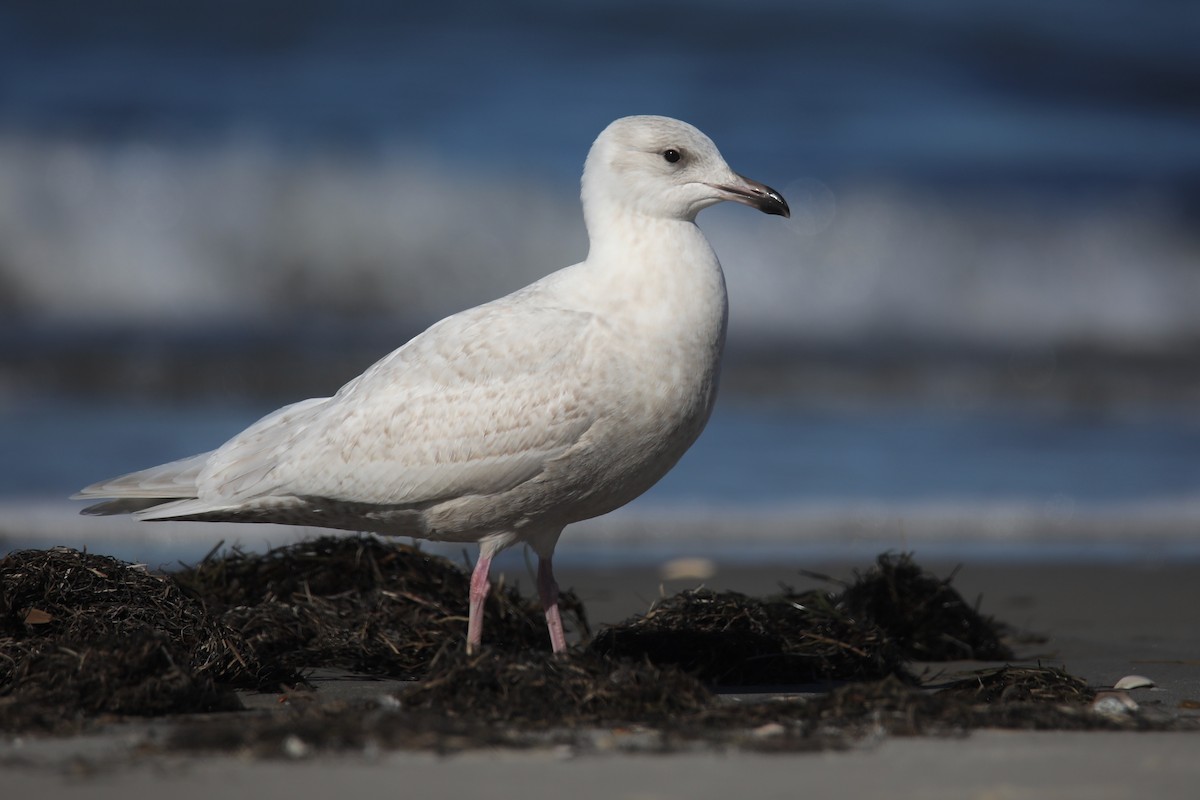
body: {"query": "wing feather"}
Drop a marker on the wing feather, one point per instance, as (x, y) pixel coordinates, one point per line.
(173, 479)
(477, 404)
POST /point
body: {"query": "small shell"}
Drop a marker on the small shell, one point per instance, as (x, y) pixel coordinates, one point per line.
(1113, 704)
(295, 747)
(389, 702)
(1134, 682)
(768, 730)
(689, 569)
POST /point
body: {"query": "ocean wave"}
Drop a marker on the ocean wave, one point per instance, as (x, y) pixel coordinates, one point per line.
(243, 230)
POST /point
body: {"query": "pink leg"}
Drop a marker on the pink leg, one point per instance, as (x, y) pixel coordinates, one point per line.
(548, 592)
(479, 593)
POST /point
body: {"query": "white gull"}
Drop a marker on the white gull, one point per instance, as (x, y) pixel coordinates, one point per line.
(506, 422)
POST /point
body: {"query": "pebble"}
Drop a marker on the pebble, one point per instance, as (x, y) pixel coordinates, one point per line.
(295, 747)
(689, 569)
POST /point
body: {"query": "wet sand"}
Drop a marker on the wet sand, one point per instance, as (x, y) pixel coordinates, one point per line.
(1102, 622)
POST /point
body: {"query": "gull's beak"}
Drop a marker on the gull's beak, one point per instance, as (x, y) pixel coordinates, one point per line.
(754, 194)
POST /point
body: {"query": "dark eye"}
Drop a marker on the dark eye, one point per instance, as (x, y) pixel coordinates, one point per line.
(672, 155)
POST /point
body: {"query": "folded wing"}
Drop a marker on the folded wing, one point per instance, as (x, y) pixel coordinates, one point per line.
(477, 404)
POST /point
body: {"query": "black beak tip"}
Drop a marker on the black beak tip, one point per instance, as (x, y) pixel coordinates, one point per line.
(770, 201)
(775, 204)
(756, 195)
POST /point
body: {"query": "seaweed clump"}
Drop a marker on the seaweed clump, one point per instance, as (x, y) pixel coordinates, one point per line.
(585, 701)
(1009, 697)
(541, 690)
(359, 603)
(894, 613)
(924, 615)
(82, 634)
(1019, 684)
(729, 639)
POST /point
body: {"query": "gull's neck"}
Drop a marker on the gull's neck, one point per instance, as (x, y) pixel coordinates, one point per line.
(623, 240)
(657, 274)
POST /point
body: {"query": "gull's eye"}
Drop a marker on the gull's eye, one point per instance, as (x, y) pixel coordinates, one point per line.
(671, 155)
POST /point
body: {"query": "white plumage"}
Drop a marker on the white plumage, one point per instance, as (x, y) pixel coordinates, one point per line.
(506, 422)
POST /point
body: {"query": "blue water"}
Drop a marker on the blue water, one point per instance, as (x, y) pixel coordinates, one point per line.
(1076, 90)
(751, 456)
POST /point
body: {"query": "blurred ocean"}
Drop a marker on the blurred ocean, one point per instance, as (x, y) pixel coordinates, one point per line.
(983, 314)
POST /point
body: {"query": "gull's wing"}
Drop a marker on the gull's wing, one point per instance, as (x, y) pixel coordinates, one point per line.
(477, 404)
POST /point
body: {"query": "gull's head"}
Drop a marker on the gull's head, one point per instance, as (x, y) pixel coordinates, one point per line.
(661, 167)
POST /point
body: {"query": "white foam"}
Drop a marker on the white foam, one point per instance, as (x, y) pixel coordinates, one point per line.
(154, 232)
(233, 230)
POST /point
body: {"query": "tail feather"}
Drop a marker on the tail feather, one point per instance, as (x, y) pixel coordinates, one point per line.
(126, 505)
(179, 508)
(139, 491)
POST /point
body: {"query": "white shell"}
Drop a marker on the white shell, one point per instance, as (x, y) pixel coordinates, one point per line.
(1114, 704)
(1134, 682)
(769, 730)
(295, 747)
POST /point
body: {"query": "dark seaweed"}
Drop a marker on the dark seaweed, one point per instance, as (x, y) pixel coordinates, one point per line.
(924, 615)
(359, 603)
(84, 637)
(729, 639)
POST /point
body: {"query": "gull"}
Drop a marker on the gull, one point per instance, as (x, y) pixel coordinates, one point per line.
(504, 423)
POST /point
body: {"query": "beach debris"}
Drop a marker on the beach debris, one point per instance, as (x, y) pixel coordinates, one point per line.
(113, 639)
(1019, 684)
(296, 748)
(893, 612)
(836, 719)
(52, 685)
(889, 705)
(923, 614)
(361, 603)
(730, 639)
(69, 596)
(540, 689)
(689, 569)
(35, 616)
(1010, 697)
(1134, 682)
(1113, 704)
(82, 635)
(768, 730)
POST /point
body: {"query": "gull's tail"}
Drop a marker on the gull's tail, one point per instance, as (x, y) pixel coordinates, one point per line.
(145, 489)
